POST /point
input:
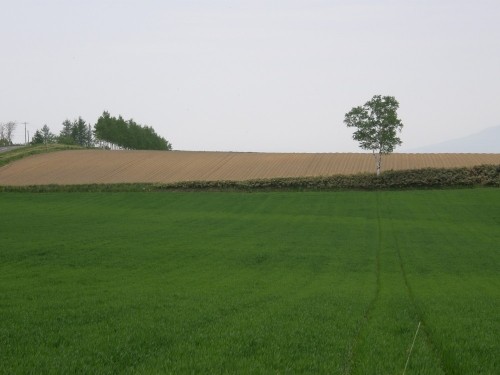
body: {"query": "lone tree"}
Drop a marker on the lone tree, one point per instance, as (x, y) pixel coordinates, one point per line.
(377, 125)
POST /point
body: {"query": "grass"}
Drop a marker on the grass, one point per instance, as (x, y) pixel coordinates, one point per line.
(22, 152)
(332, 283)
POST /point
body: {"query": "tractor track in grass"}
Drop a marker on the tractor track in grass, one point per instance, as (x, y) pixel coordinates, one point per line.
(371, 306)
(416, 308)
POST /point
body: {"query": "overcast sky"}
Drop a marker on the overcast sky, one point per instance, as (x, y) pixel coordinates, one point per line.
(257, 75)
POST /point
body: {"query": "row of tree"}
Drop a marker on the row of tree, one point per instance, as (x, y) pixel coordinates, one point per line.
(108, 132)
(75, 132)
(6, 133)
(128, 134)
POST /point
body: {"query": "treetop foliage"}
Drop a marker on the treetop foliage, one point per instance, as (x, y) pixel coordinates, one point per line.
(128, 134)
(44, 136)
(76, 132)
(377, 124)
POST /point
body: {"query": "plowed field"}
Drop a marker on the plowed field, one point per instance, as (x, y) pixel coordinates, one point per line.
(100, 166)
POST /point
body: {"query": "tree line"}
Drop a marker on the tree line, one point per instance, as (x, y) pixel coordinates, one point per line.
(108, 132)
(128, 134)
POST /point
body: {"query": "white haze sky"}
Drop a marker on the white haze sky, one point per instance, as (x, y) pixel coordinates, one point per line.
(257, 75)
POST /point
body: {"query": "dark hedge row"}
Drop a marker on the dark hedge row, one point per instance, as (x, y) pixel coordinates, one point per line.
(483, 175)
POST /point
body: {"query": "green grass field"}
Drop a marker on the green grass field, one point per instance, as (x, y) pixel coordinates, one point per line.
(332, 283)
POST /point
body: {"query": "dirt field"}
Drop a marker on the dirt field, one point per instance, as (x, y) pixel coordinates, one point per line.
(99, 166)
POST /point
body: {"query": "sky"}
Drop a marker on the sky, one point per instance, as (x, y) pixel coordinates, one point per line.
(256, 75)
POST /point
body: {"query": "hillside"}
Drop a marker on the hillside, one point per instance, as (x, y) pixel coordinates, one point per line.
(99, 166)
(487, 140)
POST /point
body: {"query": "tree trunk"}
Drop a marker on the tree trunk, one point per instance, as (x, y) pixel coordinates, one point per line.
(378, 162)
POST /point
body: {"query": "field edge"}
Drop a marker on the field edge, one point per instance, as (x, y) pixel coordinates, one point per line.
(487, 175)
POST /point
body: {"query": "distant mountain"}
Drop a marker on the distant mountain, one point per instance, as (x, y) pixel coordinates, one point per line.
(486, 141)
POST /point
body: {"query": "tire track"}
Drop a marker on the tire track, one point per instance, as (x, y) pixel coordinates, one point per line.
(351, 358)
(444, 365)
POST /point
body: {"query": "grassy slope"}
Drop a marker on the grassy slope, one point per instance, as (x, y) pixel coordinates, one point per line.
(22, 152)
(264, 282)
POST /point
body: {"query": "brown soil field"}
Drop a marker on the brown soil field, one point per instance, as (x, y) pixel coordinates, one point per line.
(101, 166)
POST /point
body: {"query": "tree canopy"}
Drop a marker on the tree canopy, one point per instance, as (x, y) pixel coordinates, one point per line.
(76, 132)
(43, 136)
(377, 125)
(128, 134)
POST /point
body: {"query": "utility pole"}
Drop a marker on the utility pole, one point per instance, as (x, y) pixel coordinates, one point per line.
(89, 137)
(25, 123)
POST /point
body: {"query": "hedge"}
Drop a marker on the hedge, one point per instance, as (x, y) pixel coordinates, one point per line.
(482, 175)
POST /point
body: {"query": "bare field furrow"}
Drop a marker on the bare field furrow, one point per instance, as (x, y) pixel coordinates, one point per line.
(99, 166)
